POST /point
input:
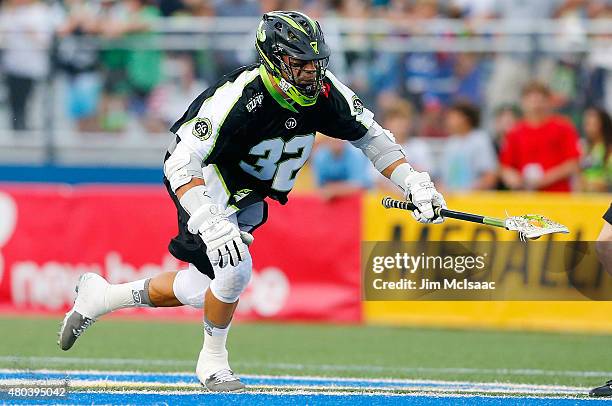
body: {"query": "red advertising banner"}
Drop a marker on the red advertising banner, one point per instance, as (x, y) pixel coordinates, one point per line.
(316, 245)
(306, 258)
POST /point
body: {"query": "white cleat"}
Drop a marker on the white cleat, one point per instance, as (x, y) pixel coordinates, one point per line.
(88, 306)
(214, 373)
(224, 381)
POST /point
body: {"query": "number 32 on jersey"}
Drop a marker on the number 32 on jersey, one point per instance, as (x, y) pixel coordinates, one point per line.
(270, 165)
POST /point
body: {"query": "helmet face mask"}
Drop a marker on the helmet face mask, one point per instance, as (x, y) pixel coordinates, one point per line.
(305, 75)
(292, 48)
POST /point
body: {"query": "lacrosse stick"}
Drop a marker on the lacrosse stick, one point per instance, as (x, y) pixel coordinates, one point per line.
(529, 226)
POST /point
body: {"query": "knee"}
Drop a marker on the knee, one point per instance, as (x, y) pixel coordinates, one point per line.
(230, 282)
(189, 287)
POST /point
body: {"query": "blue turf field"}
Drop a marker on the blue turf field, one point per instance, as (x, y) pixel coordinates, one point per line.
(97, 387)
(82, 398)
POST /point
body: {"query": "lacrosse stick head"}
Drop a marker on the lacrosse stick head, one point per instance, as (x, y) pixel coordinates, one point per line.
(533, 226)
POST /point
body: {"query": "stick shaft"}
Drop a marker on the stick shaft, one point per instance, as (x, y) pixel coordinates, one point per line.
(390, 203)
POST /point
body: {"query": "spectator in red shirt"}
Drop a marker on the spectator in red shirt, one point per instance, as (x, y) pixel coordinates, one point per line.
(541, 151)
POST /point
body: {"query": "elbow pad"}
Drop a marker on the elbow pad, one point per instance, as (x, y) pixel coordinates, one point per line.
(380, 147)
(181, 166)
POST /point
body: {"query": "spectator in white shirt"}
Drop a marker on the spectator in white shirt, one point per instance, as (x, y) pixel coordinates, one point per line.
(27, 32)
(468, 160)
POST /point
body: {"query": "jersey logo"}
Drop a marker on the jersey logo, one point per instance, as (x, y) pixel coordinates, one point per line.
(315, 47)
(254, 102)
(241, 194)
(291, 123)
(357, 105)
(202, 129)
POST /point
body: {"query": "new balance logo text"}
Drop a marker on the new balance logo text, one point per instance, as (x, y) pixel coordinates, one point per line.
(254, 102)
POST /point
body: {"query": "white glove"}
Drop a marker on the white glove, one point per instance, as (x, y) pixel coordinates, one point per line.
(224, 243)
(421, 191)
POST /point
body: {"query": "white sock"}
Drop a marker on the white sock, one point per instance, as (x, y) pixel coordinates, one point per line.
(131, 294)
(215, 338)
(214, 356)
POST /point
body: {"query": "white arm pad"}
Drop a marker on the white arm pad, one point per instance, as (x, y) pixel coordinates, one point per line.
(399, 176)
(194, 199)
(380, 147)
(182, 166)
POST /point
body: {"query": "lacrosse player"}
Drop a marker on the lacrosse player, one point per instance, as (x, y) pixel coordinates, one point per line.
(604, 242)
(242, 140)
(604, 252)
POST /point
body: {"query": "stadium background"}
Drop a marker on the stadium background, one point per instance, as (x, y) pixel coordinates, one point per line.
(81, 170)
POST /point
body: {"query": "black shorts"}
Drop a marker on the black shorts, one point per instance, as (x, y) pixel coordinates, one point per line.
(608, 215)
(190, 248)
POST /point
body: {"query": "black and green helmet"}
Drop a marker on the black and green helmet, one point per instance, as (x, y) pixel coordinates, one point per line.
(299, 38)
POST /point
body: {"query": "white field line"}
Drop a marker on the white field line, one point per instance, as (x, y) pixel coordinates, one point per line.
(331, 392)
(98, 384)
(393, 384)
(265, 392)
(114, 385)
(373, 368)
(85, 385)
(304, 367)
(390, 381)
(100, 361)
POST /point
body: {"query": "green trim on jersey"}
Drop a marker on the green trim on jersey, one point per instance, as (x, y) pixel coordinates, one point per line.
(252, 76)
(273, 92)
(227, 191)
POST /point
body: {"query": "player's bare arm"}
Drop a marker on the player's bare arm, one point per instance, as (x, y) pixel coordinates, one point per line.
(192, 183)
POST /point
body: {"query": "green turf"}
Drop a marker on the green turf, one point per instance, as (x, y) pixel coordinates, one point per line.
(302, 349)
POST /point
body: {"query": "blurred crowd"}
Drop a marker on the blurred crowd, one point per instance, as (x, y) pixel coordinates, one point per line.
(532, 148)
(517, 119)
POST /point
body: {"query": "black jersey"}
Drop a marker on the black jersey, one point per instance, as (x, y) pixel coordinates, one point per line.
(253, 143)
